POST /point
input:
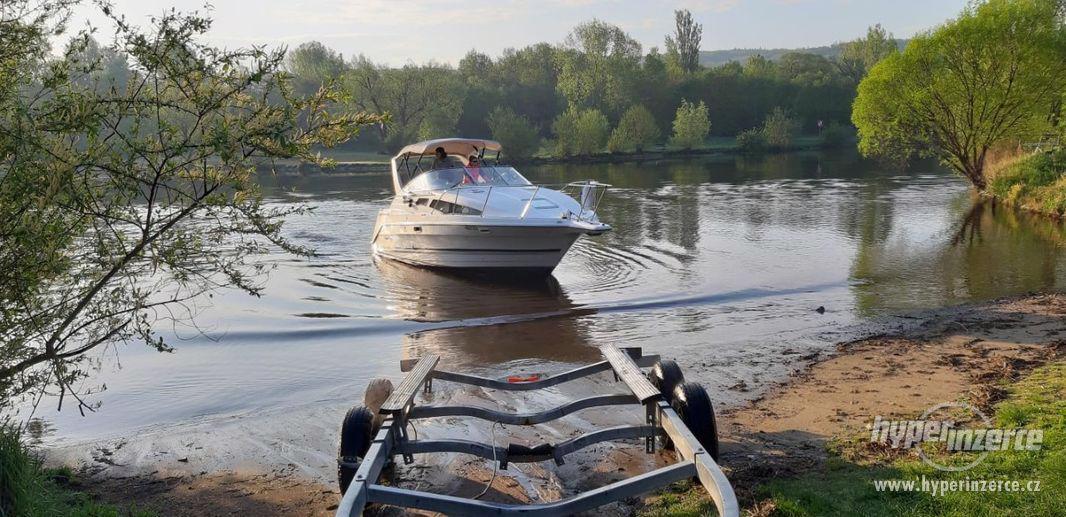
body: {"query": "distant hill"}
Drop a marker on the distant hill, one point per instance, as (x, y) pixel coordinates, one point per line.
(720, 57)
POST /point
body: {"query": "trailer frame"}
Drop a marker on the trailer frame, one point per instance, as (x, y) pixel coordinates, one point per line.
(661, 420)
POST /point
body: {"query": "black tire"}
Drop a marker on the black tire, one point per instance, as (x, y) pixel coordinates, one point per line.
(666, 375)
(693, 405)
(356, 435)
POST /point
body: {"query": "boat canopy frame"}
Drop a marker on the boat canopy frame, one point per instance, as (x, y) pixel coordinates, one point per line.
(459, 147)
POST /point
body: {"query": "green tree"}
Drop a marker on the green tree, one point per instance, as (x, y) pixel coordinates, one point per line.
(421, 100)
(779, 129)
(805, 69)
(857, 57)
(591, 131)
(636, 130)
(837, 135)
(751, 141)
(519, 138)
(564, 128)
(758, 66)
(312, 65)
(683, 47)
(528, 82)
(656, 90)
(691, 125)
(118, 205)
(478, 72)
(598, 67)
(991, 74)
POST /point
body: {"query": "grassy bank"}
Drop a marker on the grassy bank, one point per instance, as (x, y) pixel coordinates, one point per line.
(29, 490)
(844, 485)
(1035, 182)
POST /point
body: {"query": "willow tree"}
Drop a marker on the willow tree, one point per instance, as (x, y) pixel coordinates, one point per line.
(120, 201)
(991, 74)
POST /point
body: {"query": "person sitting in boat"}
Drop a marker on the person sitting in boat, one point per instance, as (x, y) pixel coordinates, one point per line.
(473, 171)
(441, 160)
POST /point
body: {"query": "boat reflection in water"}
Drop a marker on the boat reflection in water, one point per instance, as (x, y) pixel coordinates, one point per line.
(486, 319)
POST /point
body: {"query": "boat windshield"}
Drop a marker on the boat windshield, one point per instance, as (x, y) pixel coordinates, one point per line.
(442, 179)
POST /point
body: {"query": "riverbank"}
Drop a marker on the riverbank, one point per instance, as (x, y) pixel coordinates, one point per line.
(1034, 182)
(803, 449)
(713, 146)
(370, 163)
(774, 448)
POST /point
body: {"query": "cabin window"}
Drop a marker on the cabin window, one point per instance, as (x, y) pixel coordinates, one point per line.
(444, 179)
(448, 207)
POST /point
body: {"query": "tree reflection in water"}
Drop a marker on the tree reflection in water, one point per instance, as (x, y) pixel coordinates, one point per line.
(989, 249)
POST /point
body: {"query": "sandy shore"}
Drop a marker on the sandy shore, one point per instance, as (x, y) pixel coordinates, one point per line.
(959, 354)
(950, 354)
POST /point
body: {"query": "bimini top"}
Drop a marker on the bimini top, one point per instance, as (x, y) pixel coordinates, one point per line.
(456, 146)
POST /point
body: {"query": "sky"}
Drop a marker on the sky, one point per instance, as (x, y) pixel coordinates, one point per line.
(396, 32)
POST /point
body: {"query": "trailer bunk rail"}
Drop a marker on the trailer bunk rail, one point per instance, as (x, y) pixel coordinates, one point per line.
(662, 394)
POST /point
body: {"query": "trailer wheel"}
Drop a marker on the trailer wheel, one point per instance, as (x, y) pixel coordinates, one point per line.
(356, 435)
(693, 405)
(666, 375)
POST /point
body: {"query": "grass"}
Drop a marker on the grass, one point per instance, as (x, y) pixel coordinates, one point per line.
(685, 499)
(845, 485)
(1035, 181)
(29, 490)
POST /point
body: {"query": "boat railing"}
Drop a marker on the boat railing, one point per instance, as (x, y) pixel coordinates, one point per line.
(587, 193)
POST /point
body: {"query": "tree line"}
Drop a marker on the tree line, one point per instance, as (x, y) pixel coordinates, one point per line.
(598, 89)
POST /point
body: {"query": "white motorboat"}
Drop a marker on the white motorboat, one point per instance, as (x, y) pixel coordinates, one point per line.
(460, 212)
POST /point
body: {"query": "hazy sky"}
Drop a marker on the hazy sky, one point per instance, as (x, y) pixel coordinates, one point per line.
(398, 31)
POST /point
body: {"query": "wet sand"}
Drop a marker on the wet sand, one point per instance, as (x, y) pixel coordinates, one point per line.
(947, 355)
(957, 354)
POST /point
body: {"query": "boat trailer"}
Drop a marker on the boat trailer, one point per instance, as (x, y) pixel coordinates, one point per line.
(678, 413)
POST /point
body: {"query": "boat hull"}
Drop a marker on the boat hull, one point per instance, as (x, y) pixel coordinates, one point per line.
(483, 246)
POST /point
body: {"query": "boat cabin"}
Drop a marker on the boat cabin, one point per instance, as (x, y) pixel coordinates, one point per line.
(417, 165)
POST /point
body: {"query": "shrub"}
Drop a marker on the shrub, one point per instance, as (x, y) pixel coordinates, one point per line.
(565, 130)
(517, 135)
(751, 141)
(436, 125)
(837, 135)
(1036, 170)
(636, 130)
(1034, 182)
(591, 132)
(779, 128)
(691, 125)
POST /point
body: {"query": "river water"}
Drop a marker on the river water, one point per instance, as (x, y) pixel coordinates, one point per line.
(718, 262)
